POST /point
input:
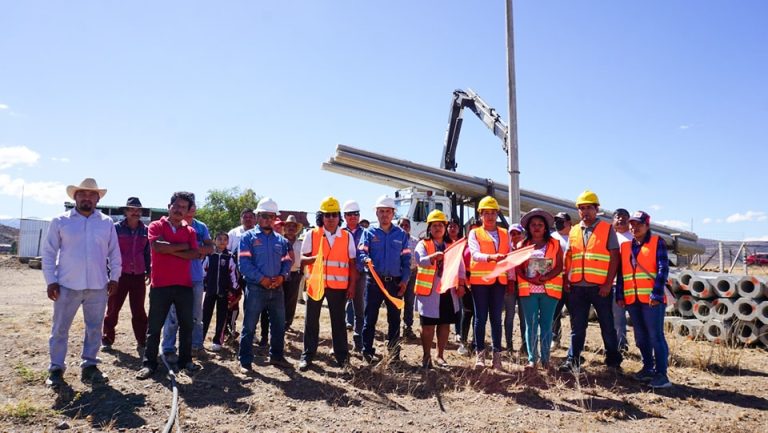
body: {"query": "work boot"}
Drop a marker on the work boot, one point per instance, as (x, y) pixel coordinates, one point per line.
(480, 361)
(92, 374)
(497, 361)
(55, 379)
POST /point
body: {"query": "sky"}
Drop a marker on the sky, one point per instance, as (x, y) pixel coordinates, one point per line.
(656, 105)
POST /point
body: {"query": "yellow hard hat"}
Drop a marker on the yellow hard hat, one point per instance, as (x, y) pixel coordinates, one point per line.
(330, 205)
(436, 215)
(488, 202)
(587, 197)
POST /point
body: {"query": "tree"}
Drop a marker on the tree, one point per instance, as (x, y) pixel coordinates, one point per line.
(221, 211)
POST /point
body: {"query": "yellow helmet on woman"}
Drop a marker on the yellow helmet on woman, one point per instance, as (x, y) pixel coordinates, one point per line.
(437, 216)
(488, 202)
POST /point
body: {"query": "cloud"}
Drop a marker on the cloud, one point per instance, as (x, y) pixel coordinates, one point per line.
(655, 207)
(684, 127)
(675, 224)
(63, 159)
(43, 192)
(4, 107)
(748, 216)
(706, 220)
(14, 155)
(757, 239)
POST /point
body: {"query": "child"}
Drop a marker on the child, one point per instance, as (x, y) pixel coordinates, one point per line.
(220, 283)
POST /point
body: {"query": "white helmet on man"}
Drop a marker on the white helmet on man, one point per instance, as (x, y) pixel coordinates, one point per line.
(350, 206)
(385, 201)
(267, 205)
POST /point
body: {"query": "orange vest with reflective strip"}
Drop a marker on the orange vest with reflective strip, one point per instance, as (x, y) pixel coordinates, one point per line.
(335, 260)
(425, 275)
(554, 286)
(477, 270)
(589, 262)
(638, 282)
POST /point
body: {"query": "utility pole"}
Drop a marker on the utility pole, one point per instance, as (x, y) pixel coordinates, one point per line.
(513, 167)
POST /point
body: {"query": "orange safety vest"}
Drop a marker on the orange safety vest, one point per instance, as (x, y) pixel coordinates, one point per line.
(554, 286)
(425, 275)
(477, 270)
(336, 259)
(589, 262)
(639, 276)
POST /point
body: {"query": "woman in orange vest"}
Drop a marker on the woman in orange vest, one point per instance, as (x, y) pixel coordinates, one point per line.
(643, 272)
(487, 245)
(436, 310)
(540, 284)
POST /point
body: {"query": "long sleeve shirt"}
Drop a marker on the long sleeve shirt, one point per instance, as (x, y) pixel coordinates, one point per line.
(662, 269)
(357, 234)
(81, 252)
(263, 255)
(134, 248)
(219, 267)
(389, 251)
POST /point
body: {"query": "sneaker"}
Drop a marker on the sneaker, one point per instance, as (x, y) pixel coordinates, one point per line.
(55, 378)
(462, 350)
(660, 381)
(140, 349)
(106, 347)
(280, 362)
(304, 364)
(530, 366)
(192, 367)
(349, 326)
(408, 333)
(497, 361)
(480, 360)
(246, 368)
(368, 357)
(457, 338)
(644, 375)
(569, 367)
(145, 373)
(92, 374)
(215, 347)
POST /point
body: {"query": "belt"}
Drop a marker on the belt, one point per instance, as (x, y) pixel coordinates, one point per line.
(388, 279)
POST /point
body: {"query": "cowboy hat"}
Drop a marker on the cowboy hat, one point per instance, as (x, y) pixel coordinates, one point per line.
(88, 184)
(537, 212)
(292, 220)
(132, 202)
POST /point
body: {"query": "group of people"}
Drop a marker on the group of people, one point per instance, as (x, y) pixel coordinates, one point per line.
(447, 278)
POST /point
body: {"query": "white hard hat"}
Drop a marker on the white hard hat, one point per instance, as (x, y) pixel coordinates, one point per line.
(350, 206)
(266, 204)
(385, 201)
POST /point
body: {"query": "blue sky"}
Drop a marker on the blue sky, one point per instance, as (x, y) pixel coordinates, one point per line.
(655, 105)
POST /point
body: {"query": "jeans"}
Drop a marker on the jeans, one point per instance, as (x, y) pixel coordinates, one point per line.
(130, 286)
(373, 299)
(94, 302)
(256, 300)
(539, 313)
(510, 299)
(467, 314)
(410, 301)
(619, 320)
(489, 301)
(556, 324)
(161, 299)
(171, 323)
(579, 301)
(336, 300)
(356, 312)
(211, 301)
(648, 323)
(291, 288)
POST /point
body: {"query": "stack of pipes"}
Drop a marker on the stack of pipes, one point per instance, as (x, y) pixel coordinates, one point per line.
(719, 307)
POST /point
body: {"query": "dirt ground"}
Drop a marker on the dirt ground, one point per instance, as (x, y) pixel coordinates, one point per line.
(717, 388)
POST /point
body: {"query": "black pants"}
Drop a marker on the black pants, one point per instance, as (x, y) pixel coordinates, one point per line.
(557, 327)
(337, 301)
(160, 301)
(291, 292)
(210, 302)
(467, 313)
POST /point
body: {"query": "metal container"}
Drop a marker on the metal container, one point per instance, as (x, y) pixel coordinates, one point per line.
(32, 233)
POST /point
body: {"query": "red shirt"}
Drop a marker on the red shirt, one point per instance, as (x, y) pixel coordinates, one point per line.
(167, 269)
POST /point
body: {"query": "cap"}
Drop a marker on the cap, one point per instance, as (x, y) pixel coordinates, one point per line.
(641, 217)
(621, 212)
(562, 216)
(517, 228)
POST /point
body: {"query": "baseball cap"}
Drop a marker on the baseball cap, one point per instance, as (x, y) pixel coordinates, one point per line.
(641, 217)
(621, 211)
(562, 216)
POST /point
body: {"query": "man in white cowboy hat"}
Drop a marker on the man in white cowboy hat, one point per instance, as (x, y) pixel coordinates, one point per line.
(293, 286)
(79, 244)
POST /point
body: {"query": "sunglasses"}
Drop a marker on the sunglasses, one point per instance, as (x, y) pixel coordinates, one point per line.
(330, 215)
(351, 213)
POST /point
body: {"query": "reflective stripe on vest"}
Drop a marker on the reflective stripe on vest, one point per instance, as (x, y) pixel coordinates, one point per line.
(477, 270)
(638, 284)
(335, 260)
(589, 262)
(425, 275)
(554, 286)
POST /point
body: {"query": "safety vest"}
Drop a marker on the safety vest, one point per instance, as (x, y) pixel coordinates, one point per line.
(425, 275)
(477, 270)
(336, 259)
(554, 286)
(589, 262)
(639, 276)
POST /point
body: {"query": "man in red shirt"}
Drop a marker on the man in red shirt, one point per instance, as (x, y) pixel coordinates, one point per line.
(174, 244)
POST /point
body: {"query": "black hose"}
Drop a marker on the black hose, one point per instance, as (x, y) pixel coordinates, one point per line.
(174, 415)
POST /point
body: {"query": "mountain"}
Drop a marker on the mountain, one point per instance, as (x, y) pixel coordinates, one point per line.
(8, 234)
(11, 222)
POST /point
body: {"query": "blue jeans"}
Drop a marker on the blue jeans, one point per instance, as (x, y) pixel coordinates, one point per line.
(489, 300)
(619, 320)
(256, 300)
(410, 301)
(648, 323)
(356, 312)
(94, 302)
(373, 299)
(539, 313)
(510, 299)
(171, 326)
(579, 301)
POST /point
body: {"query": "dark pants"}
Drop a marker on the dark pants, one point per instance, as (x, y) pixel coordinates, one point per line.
(373, 299)
(467, 313)
(557, 328)
(291, 291)
(160, 301)
(336, 301)
(356, 312)
(510, 300)
(579, 301)
(648, 323)
(257, 300)
(210, 302)
(410, 300)
(489, 303)
(133, 287)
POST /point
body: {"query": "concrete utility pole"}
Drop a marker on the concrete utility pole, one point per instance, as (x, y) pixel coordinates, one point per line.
(512, 164)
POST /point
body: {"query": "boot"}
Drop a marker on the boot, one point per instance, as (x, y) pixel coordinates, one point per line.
(497, 361)
(480, 361)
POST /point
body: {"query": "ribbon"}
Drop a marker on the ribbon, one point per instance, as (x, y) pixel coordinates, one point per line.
(452, 258)
(399, 303)
(515, 258)
(316, 290)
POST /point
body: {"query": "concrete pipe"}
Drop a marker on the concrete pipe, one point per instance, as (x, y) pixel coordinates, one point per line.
(685, 278)
(702, 310)
(690, 328)
(763, 335)
(702, 287)
(671, 323)
(727, 286)
(717, 331)
(673, 281)
(751, 287)
(746, 309)
(746, 332)
(684, 305)
(762, 312)
(723, 309)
